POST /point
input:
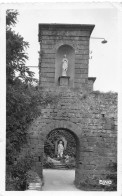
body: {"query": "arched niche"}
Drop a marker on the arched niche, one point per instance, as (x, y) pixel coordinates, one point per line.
(70, 54)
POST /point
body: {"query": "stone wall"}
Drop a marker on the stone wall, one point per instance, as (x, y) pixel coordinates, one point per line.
(92, 119)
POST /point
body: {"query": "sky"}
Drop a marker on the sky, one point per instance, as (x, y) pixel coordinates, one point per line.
(103, 64)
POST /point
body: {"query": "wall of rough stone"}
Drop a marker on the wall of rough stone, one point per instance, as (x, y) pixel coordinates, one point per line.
(92, 118)
(101, 139)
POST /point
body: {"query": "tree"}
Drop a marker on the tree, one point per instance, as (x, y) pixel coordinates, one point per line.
(15, 52)
(20, 108)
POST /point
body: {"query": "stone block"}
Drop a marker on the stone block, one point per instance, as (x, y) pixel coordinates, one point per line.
(48, 74)
(65, 33)
(84, 53)
(48, 60)
(47, 79)
(79, 76)
(81, 61)
(46, 66)
(64, 80)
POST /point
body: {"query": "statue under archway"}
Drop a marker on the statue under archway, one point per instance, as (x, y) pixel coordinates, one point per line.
(60, 149)
(64, 143)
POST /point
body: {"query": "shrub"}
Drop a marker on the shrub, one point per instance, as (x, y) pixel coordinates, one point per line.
(17, 174)
(47, 163)
(70, 165)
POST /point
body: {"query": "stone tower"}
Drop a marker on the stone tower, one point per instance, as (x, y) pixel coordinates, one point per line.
(75, 108)
(57, 40)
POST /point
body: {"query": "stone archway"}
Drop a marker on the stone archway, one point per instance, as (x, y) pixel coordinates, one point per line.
(38, 144)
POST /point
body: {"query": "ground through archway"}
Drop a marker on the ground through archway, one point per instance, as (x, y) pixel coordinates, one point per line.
(59, 180)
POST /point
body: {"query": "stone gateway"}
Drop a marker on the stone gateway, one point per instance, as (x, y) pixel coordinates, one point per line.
(78, 109)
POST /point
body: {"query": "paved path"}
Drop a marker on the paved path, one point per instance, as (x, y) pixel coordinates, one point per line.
(59, 180)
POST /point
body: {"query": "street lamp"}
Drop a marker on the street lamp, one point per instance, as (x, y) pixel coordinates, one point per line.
(104, 41)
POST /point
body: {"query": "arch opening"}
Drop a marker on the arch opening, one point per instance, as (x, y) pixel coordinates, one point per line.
(70, 157)
(53, 138)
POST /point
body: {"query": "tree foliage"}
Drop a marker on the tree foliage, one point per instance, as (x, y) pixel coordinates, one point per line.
(11, 18)
(20, 105)
(16, 55)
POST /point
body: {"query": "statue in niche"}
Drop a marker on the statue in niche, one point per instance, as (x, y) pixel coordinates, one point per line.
(60, 149)
(64, 66)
